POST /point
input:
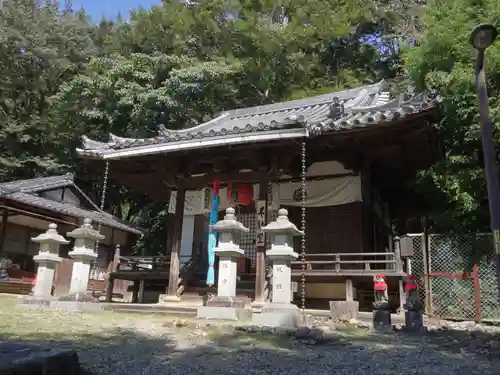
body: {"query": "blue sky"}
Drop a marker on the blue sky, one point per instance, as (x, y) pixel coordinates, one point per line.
(110, 8)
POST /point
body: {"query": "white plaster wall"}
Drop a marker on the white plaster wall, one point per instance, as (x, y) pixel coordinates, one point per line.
(69, 196)
(187, 238)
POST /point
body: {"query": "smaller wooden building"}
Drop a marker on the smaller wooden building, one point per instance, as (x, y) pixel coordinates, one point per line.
(27, 207)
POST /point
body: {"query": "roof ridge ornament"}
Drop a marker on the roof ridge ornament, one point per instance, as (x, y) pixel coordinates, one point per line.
(336, 109)
(89, 144)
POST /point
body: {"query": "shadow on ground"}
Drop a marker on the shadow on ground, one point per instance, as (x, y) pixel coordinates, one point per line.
(120, 351)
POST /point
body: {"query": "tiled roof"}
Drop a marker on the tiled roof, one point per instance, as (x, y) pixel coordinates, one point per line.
(344, 110)
(26, 192)
(34, 185)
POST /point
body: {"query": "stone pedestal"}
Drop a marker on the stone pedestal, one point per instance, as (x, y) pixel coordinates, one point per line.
(280, 311)
(344, 310)
(226, 306)
(414, 320)
(47, 260)
(83, 254)
(381, 308)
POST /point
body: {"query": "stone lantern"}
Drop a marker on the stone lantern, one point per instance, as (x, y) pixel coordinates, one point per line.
(83, 254)
(47, 260)
(225, 305)
(280, 312)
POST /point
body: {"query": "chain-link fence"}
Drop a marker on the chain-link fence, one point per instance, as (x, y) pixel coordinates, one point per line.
(416, 266)
(457, 287)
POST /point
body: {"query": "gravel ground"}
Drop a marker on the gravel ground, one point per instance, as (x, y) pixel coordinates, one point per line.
(110, 343)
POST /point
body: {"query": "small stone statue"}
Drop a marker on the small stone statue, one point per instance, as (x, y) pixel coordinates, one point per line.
(381, 307)
(413, 305)
(380, 290)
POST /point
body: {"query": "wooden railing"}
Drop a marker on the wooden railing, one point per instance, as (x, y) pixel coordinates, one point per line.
(355, 262)
(139, 263)
(187, 271)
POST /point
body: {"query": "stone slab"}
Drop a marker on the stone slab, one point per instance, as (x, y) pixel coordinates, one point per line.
(33, 302)
(79, 297)
(88, 307)
(238, 302)
(223, 313)
(344, 310)
(25, 359)
(277, 315)
(305, 320)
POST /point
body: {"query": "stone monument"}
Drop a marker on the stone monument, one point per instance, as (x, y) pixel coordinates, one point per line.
(381, 308)
(280, 311)
(414, 321)
(83, 254)
(47, 259)
(226, 306)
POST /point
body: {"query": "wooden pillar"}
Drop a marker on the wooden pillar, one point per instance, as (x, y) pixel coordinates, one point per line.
(173, 277)
(402, 297)
(5, 217)
(141, 291)
(135, 291)
(349, 290)
(260, 264)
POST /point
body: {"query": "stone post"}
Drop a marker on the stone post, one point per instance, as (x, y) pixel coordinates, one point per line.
(226, 305)
(47, 260)
(83, 253)
(280, 311)
(381, 309)
(414, 321)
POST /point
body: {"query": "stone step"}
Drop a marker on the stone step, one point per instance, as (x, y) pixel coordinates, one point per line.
(152, 308)
(170, 311)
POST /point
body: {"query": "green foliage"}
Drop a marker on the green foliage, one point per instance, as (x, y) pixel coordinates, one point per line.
(40, 48)
(178, 65)
(444, 61)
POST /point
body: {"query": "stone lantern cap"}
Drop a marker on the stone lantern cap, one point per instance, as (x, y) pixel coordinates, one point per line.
(229, 224)
(86, 231)
(282, 225)
(50, 236)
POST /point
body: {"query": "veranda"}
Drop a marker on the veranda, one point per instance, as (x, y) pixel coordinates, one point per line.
(338, 162)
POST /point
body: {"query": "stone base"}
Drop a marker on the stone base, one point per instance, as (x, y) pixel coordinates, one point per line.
(382, 321)
(223, 313)
(257, 305)
(32, 302)
(344, 310)
(277, 315)
(79, 297)
(414, 321)
(87, 307)
(167, 298)
(237, 302)
(305, 320)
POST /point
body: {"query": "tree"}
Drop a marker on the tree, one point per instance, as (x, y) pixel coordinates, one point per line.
(41, 47)
(443, 60)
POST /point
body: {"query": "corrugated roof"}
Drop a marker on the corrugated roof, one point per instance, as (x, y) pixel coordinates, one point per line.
(26, 192)
(344, 110)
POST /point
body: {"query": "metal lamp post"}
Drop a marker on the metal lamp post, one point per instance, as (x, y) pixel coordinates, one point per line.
(482, 37)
